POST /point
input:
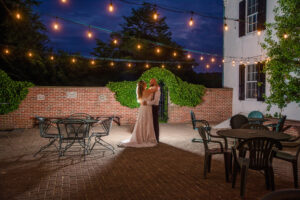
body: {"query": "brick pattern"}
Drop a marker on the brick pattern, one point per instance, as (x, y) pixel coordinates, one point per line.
(216, 107)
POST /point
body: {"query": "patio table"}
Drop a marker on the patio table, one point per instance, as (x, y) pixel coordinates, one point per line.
(243, 134)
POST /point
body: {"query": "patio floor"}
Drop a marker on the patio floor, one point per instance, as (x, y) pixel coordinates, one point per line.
(171, 170)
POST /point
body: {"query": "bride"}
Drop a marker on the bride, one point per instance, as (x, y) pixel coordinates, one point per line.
(143, 134)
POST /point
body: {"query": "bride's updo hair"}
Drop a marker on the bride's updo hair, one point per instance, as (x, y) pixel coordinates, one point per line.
(140, 89)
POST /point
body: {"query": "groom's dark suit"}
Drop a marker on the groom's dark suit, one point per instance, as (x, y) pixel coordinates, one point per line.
(155, 108)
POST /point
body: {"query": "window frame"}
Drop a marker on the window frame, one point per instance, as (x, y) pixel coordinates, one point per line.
(252, 15)
(254, 73)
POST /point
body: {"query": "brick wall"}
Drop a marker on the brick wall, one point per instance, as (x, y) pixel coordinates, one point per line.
(63, 101)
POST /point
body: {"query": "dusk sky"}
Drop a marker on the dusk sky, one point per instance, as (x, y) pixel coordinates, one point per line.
(206, 35)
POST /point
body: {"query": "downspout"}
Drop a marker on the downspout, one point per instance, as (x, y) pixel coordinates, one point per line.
(223, 44)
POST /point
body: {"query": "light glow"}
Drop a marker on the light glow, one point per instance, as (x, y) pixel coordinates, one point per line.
(73, 60)
(213, 60)
(188, 56)
(18, 16)
(258, 32)
(285, 36)
(174, 54)
(6, 51)
(201, 58)
(115, 41)
(178, 66)
(89, 34)
(92, 62)
(207, 66)
(112, 64)
(111, 7)
(139, 46)
(30, 54)
(191, 22)
(162, 66)
(155, 15)
(157, 50)
(51, 57)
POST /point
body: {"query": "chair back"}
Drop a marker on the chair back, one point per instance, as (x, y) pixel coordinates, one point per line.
(107, 123)
(71, 128)
(80, 116)
(280, 124)
(255, 126)
(237, 121)
(259, 151)
(193, 119)
(44, 125)
(256, 114)
(204, 134)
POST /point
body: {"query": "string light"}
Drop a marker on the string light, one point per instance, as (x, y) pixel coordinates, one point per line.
(51, 57)
(225, 27)
(110, 7)
(174, 54)
(212, 59)
(18, 16)
(115, 41)
(138, 46)
(258, 32)
(162, 66)
(129, 65)
(201, 58)
(64, 1)
(89, 33)
(30, 54)
(255, 62)
(147, 66)
(207, 66)
(157, 50)
(6, 51)
(285, 36)
(233, 63)
(223, 60)
(155, 15)
(191, 22)
(178, 66)
(55, 25)
(188, 56)
(73, 60)
(92, 62)
(112, 64)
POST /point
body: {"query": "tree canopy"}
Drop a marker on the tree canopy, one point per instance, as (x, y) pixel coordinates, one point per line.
(282, 43)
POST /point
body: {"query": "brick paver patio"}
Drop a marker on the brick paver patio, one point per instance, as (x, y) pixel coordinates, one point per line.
(172, 170)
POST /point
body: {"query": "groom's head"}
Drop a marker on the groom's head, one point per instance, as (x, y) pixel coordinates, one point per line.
(153, 82)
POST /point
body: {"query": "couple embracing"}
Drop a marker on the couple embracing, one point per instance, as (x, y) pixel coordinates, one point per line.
(146, 129)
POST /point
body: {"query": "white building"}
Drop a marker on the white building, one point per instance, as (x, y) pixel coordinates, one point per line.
(243, 41)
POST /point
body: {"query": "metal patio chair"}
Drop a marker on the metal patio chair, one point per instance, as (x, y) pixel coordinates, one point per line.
(237, 121)
(257, 115)
(98, 135)
(44, 126)
(279, 126)
(196, 123)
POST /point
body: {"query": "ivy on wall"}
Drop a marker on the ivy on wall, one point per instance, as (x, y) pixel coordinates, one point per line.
(11, 93)
(181, 93)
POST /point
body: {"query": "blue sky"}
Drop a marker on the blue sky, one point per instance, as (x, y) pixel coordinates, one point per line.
(206, 35)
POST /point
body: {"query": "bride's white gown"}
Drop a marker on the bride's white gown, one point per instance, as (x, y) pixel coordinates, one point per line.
(143, 134)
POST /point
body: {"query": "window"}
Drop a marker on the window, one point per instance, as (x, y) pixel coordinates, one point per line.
(252, 12)
(251, 82)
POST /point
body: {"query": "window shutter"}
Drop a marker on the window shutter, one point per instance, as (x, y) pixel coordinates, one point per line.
(261, 82)
(261, 18)
(242, 82)
(242, 18)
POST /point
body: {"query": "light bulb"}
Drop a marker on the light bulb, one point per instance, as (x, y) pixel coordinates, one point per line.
(207, 66)
(115, 41)
(179, 66)
(157, 50)
(212, 59)
(188, 56)
(201, 58)
(73, 60)
(285, 36)
(18, 15)
(155, 15)
(255, 62)
(191, 22)
(30, 54)
(225, 27)
(56, 26)
(233, 63)
(64, 1)
(138, 46)
(129, 65)
(174, 54)
(258, 32)
(51, 57)
(6, 51)
(223, 61)
(162, 66)
(112, 64)
(92, 62)
(111, 7)
(147, 66)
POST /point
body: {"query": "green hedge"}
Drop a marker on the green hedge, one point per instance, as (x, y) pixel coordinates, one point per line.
(181, 93)
(12, 93)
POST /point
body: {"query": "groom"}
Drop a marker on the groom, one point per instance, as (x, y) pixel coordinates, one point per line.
(155, 106)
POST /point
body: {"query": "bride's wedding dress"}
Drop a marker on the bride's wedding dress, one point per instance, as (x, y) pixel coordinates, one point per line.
(143, 134)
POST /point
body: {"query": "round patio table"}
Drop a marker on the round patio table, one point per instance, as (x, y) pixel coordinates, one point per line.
(251, 133)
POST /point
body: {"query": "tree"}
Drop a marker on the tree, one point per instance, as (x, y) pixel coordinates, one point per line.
(283, 48)
(139, 29)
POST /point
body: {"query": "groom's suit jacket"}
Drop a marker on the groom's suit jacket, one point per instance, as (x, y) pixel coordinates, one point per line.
(156, 99)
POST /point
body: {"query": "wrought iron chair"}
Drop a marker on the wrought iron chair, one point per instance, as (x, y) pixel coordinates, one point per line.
(292, 158)
(237, 121)
(255, 114)
(255, 126)
(196, 123)
(209, 152)
(279, 126)
(106, 126)
(70, 131)
(256, 154)
(44, 126)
